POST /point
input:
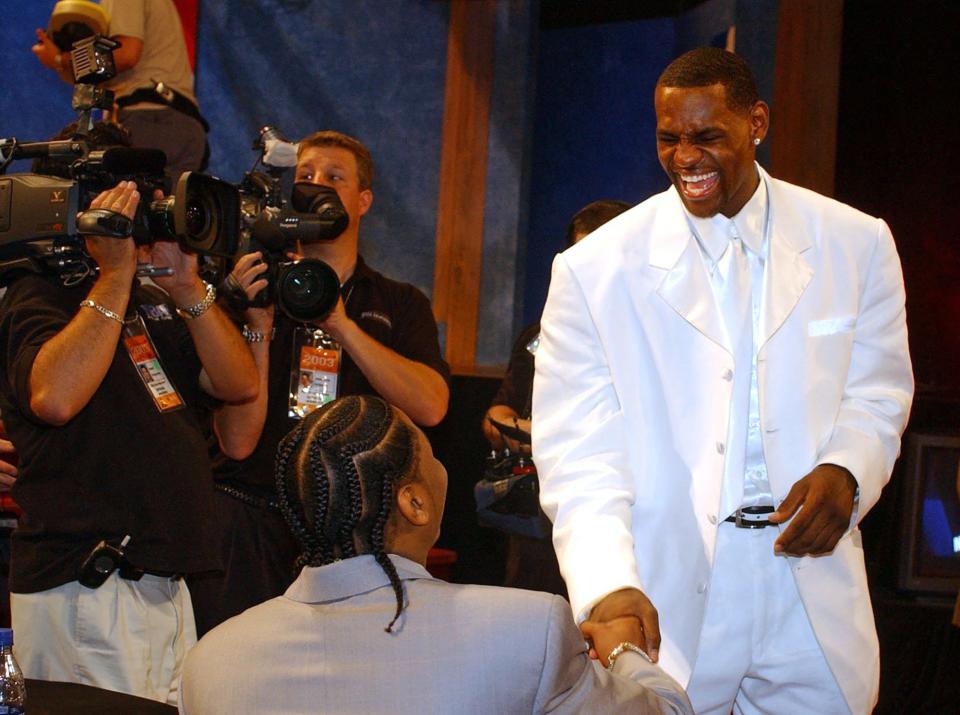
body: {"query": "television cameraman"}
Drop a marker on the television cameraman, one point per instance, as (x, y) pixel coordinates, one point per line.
(389, 347)
(154, 85)
(107, 457)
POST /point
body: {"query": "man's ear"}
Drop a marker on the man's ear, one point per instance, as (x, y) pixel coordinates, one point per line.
(366, 200)
(411, 503)
(759, 120)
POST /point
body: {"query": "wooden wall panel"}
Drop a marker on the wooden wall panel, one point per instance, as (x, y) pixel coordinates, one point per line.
(463, 169)
(807, 78)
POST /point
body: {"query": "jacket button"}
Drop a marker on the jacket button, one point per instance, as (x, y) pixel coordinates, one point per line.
(701, 587)
(712, 518)
(727, 375)
(720, 448)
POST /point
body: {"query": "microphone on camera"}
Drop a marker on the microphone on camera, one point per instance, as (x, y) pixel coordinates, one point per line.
(64, 148)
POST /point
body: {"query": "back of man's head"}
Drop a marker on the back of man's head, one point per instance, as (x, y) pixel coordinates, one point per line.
(103, 135)
(706, 66)
(337, 474)
(328, 137)
(593, 216)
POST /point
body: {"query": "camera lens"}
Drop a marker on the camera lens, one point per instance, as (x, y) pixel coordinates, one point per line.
(307, 289)
(198, 217)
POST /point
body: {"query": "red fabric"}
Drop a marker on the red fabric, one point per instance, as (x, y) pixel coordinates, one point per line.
(189, 9)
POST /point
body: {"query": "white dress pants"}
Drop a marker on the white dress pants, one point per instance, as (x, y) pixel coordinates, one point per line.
(758, 652)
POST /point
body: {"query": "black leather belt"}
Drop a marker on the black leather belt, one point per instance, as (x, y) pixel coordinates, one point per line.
(134, 573)
(751, 517)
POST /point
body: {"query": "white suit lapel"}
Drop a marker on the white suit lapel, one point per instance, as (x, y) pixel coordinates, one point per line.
(787, 273)
(686, 285)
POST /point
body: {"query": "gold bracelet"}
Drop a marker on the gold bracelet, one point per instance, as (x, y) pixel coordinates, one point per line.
(106, 312)
(620, 649)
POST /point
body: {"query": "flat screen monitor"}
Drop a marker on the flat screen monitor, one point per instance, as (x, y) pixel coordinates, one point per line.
(930, 543)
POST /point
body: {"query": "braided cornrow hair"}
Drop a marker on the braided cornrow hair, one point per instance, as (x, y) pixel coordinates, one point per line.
(337, 475)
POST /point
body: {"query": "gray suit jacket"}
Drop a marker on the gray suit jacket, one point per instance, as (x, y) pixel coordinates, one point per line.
(321, 648)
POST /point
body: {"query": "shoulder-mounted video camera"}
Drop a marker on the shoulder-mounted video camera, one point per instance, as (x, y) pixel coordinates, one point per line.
(306, 289)
(43, 217)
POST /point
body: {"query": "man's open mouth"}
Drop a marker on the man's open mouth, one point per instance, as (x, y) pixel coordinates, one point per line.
(696, 186)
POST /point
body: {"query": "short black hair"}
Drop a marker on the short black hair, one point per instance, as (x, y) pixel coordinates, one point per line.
(337, 474)
(706, 66)
(593, 216)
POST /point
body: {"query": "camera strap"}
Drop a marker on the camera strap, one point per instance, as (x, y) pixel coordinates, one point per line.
(143, 353)
(103, 222)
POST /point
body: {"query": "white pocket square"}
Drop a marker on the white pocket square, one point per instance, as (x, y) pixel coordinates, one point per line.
(830, 326)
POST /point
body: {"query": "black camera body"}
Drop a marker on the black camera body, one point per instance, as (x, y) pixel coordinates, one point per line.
(306, 289)
(41, 217)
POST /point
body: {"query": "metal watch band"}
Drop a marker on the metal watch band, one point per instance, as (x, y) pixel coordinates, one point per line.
(257, 336)
(195, 311)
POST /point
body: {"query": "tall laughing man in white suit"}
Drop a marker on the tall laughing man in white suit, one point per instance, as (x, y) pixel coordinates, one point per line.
(721, 385)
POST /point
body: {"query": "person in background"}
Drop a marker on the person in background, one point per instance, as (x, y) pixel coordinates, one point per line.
(366, 629)
(531, 562)
(154, 90)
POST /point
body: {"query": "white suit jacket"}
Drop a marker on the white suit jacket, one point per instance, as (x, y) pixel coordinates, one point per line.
(631, 397)
(321, 648)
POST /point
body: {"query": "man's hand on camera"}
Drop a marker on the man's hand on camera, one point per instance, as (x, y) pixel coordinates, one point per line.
(249, 275)
(115, 256)
(337, 324)
(184, 285)
(506, 415)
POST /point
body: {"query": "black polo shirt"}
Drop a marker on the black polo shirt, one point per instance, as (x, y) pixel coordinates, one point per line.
(120, 466)
(397, 315)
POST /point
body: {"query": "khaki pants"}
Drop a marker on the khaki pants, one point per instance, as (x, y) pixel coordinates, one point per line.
(127, 636)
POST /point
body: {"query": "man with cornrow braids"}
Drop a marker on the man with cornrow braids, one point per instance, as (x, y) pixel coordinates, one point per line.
(388, 346)
(360, 488)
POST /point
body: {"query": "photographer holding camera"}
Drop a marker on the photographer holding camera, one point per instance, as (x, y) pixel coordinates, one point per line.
(114, 479)
(380, 338)
(154, 86)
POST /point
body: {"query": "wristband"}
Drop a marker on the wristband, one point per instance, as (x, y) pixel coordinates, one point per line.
(623, 647)
(257, 336)
(105, 312)
(195, 311)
